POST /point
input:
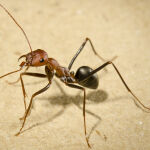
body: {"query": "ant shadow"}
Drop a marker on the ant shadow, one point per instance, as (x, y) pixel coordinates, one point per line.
(65, 100)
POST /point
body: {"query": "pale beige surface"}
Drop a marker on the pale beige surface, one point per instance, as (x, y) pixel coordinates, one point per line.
(117, 27)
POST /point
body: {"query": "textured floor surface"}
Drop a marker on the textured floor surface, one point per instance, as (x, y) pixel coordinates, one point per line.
(117, 28)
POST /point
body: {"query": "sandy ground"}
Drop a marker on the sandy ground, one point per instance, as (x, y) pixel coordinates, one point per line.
(114, 122)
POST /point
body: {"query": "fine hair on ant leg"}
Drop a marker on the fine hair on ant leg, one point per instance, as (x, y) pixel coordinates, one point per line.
(85, 77)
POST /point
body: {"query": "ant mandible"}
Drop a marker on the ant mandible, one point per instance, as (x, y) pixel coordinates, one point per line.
(85, 77)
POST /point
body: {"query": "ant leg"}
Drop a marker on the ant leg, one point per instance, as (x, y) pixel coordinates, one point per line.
(49, 75)
(79, 51)
(30, 104)
(22, 83)
(81, 48)
(125, 84)
(11, 73)
(17, 79)
(84, 102)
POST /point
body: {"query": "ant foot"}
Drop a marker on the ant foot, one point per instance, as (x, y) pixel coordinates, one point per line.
(17, 133)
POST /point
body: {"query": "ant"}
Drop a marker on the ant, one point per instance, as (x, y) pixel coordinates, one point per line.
(85, 77)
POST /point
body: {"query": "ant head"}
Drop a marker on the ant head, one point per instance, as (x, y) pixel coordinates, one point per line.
(36, 58)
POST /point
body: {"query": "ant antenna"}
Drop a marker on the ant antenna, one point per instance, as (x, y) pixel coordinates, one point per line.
(17, 25)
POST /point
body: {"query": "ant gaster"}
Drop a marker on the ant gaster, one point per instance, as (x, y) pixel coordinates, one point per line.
(84, 76)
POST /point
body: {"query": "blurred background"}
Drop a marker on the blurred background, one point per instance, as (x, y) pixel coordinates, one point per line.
(116, 28)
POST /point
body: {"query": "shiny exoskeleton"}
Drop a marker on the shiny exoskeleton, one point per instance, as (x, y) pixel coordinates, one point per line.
(81, 77)
(85, 77)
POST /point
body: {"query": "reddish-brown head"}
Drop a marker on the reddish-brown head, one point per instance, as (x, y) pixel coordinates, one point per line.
(36, 58)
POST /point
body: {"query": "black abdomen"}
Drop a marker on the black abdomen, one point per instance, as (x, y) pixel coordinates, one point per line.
(83, 72)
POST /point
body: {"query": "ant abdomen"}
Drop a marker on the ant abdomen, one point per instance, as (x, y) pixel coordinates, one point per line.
(91, 82)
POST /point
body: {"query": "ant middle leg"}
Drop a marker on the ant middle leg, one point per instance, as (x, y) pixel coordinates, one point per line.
(84, 102)
(22, 83)
(123, 81)
(49, 74)
(81, 48)
(30, 104)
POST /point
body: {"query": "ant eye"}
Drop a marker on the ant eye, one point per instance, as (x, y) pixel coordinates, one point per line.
(42, 60)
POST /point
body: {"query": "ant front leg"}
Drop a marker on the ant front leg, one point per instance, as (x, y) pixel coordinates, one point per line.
(22, 84)
(123, 81)
(84, 102)
(17, 79)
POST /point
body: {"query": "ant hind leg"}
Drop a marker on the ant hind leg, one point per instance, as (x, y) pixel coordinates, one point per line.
(123, 81)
